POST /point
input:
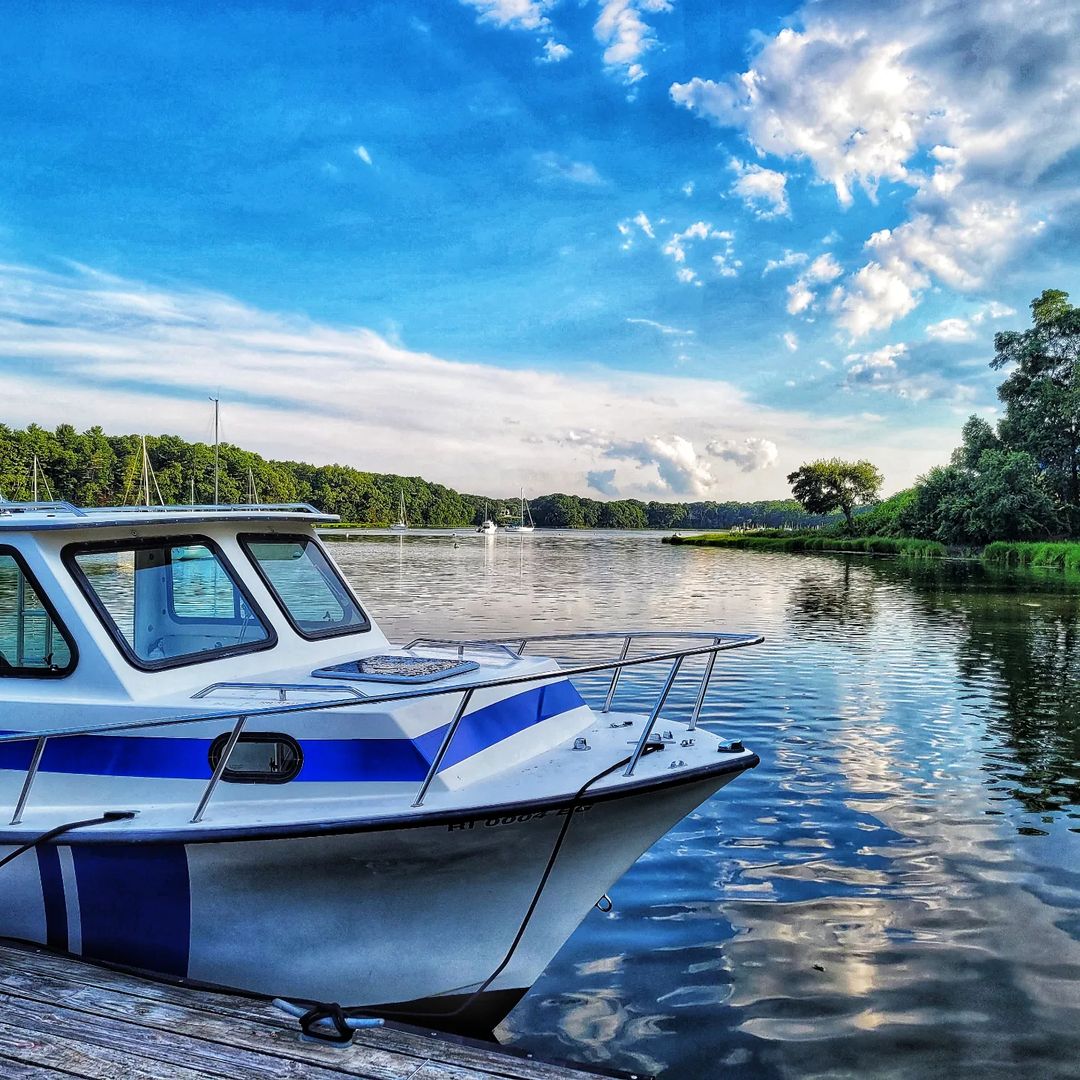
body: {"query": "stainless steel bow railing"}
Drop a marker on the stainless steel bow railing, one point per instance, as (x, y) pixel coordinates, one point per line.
(354, 697)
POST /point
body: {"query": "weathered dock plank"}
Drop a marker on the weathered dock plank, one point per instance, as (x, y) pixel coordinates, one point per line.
(63, 1017)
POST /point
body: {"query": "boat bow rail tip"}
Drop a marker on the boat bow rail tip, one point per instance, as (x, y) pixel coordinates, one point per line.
(705, 644)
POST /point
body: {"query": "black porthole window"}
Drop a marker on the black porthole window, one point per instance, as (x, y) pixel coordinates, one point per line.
(259, 757)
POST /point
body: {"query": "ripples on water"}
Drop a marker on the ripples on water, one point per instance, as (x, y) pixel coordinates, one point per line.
(895, 891)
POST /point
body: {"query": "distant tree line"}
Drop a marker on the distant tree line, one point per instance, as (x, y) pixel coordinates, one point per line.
(91, 468)
(1016, 480)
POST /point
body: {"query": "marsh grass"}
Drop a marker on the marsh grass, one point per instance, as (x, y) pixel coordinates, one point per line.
(780, 541)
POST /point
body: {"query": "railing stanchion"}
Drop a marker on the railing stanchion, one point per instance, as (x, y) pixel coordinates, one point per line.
(448, 738)
(703, 689)
(615, 675)
(653, 717)
(28, 783)
(219, 768)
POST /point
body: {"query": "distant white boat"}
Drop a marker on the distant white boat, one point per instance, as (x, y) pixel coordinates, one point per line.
(525, 522)
(401, 524)
(487, 525)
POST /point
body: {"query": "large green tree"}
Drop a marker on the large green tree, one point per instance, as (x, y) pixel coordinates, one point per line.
(1042, 393)
(828, 485)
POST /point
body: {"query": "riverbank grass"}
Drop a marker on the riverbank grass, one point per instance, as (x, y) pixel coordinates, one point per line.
(1049, 556)
(905, 547)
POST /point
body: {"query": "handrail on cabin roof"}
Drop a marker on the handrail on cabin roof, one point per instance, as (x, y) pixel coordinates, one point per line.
(63, 506)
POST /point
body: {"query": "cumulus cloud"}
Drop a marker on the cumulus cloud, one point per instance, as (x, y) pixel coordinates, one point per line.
(723, 260)
(791, 341)
(554, 52)
(881, 371)
(643, 223)
(958, 329)
(626, 36)
(749, 454)
(763, 191)
(803, 290)
(679, 469)
(789, 258)
(528, 15)
(512, 14)
(970, 107)
(951, 330)
(363, 155)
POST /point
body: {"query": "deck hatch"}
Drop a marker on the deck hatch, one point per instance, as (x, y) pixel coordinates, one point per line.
(397, 669)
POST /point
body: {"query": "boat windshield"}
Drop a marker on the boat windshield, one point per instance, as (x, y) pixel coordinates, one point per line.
(305, 584)
(168, 601)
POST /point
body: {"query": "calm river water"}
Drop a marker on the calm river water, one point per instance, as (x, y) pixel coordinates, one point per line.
(895, 891)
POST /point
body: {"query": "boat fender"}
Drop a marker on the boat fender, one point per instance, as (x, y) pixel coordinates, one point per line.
(326, 1022)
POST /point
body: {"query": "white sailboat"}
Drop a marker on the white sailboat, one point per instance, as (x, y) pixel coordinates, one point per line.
(525, 522)
(402, 523)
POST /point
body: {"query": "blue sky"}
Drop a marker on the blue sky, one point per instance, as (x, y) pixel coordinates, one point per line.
(657, 248)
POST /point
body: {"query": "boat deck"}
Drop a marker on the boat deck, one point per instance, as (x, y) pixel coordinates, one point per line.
(63, 1017)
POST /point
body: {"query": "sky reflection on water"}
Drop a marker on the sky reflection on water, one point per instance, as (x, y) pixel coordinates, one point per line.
(895, 891)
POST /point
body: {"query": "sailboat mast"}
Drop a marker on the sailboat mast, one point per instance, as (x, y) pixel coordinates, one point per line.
(145, 474)
(217, 433)
(35, 479)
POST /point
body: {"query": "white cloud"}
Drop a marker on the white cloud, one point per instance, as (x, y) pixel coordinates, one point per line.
(951, 330)
(626, 36)
(512, 14)
(789, 258)
(959, 329)
(641, 220)
(749, 454)
(881, 371)
(679, 469)
(763, 191)
(529, 15)
(554, 166)
(688, 188)
(363, 155)
(554, 52)
(724, 260)
(803, 290)
(663, 328)
(969, 106)
(875, 296)
(791, 341)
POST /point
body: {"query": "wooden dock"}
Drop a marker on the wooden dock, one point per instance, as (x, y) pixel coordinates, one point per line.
(62, 1017)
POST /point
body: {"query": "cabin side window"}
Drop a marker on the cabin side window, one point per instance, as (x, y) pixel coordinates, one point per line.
(170, 601)
(305, 585)
(33, 644)
(259, 757)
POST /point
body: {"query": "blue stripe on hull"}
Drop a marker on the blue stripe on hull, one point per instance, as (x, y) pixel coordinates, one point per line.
(324, 759)
(52, 893)
(135, 905)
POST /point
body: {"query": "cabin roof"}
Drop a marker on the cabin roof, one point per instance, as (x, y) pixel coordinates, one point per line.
(49, 516)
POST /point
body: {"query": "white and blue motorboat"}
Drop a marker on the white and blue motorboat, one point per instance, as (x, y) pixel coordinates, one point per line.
(215, 767)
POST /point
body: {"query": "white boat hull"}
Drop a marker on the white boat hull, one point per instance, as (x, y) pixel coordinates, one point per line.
(415, 917)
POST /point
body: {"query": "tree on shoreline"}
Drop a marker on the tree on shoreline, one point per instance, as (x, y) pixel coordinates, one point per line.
(1042, 394)
(828, 485)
